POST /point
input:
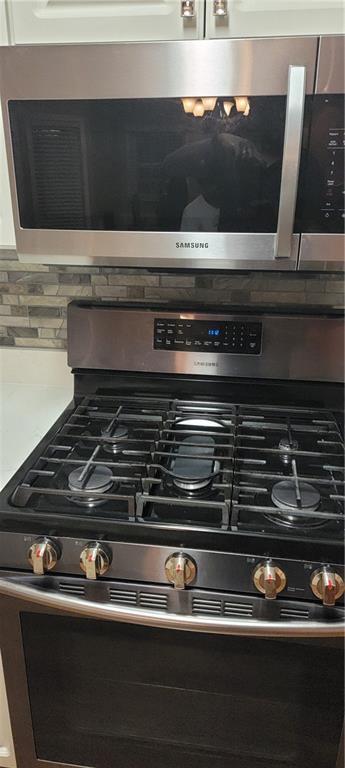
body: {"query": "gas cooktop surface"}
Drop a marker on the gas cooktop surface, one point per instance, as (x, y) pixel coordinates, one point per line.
(192, 464)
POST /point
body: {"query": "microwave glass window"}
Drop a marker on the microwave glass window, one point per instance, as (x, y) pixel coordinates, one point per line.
(149, 165)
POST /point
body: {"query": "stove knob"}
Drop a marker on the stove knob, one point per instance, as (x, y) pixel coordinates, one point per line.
(43, 555)
(327, 585)
(95, 559)
(180, 570)
(269, 579)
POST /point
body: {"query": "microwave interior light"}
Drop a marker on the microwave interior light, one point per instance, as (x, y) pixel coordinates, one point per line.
(242, 103)
(209, 102)
(188, 104)
(228, 105)
(199, 109)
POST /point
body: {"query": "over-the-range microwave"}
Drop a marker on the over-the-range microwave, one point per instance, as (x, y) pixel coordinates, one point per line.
(222, 154)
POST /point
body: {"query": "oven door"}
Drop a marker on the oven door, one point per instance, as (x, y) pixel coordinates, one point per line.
(157, 154)
(100, 685)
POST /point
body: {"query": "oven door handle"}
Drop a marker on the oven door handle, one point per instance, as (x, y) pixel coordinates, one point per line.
(291, 161)
(19, 588)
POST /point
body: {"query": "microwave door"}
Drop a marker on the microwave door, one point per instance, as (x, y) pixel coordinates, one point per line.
(121, 166)
(323, 196)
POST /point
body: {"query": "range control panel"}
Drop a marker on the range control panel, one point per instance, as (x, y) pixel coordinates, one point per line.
(232, 337)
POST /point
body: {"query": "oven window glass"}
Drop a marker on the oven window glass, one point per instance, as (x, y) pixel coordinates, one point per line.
(106, 695)
(148, 165)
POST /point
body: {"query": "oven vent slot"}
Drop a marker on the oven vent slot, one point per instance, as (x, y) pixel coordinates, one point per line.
(72, 589)
(238, 609)
(123, 596)
(207, 607)
(150, 600)
(294, 613)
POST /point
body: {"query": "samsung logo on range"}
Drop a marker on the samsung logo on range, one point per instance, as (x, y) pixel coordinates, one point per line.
(191, 245)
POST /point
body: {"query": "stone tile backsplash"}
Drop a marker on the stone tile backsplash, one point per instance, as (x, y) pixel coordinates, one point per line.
(34, 297)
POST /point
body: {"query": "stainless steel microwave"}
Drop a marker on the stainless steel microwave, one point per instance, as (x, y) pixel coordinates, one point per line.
(222, 154)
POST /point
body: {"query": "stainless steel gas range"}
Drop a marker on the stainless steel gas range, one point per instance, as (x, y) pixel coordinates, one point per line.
(171, 553)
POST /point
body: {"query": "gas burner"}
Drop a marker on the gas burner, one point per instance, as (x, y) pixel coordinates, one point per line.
(287, 496)
(99, 480)
(114, 440)
(287, 446)
(190, 471)
(114, 433)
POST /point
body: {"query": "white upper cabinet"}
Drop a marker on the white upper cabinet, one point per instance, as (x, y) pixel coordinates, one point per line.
(7, 237)
(3, 24)
(67, 21)
(268, 18)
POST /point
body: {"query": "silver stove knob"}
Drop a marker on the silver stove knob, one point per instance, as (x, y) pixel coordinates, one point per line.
(180, 570)
(95, 559)
(327, 585)
(269, 580)
(43, 555)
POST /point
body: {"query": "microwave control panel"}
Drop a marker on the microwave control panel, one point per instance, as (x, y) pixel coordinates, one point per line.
(232, 337)
(324, 197)
(333, 202)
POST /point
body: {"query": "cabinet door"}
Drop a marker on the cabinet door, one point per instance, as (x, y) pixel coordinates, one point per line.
(7, 758)
(263, 18)
(52, 21)
(7, 238)
(3, 24)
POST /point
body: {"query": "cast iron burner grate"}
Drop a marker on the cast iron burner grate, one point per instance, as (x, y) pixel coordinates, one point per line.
(190, 479)
(194, 463)
(289, 472)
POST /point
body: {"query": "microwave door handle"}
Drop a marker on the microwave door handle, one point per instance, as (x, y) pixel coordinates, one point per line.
(30, 590)
(291, 161)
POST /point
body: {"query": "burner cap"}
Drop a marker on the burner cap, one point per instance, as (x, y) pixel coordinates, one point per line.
(119, 433)
(284, 496)
(198, 421)
(100, 480)
(113, 444)
(192, 472)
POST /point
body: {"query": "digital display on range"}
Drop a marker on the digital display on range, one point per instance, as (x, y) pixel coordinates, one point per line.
(188, 335)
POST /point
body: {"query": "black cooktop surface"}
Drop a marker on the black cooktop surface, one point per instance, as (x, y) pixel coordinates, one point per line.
(194, 465)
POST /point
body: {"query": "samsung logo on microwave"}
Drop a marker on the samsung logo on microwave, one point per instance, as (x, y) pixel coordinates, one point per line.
(191, 245)
(204, 364)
